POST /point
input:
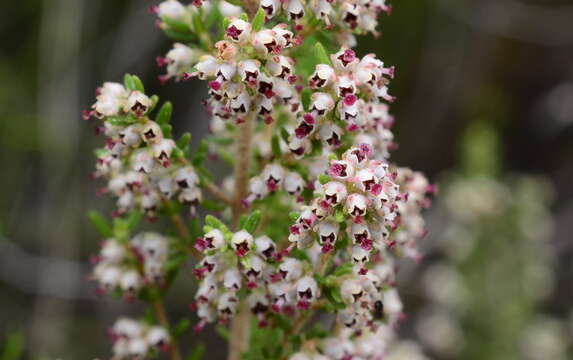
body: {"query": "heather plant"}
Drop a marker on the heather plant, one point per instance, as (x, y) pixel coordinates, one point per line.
(501, 235)
(294, 251)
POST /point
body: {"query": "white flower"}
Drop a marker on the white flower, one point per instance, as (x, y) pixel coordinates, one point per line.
(138, 103)
(157, 336)
(242, 242)
(238, 30)
(151, 132)
(265, 246)
(214, 239)
(335, 192)
(131, 281)
(112, 252)
(351, 291)
(307, 291)
(290, 269)
(232, 280)
(186, 177)
(173, 10)
(293, 183)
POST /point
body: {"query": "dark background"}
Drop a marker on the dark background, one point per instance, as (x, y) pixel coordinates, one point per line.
(508, 63)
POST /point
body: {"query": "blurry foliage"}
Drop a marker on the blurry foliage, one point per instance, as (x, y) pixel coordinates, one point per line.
(13, 347)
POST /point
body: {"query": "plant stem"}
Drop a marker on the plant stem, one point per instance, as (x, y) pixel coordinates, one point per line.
(161, 315)
(241, 324)
(218, 193)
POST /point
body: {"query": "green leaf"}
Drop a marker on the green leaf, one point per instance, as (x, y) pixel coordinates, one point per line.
(244, 17)
(252, 221)
(320, 54)
(293, 215)
(181, 327)
(284, 133)
(344, 269)
(132, 82)
(167, 130)
(120, 120)
(175, 25)
(212, 221)
(305, 97)
(223, 332)
(195, 227)
(184, 141)
(323, 178)
(259, 20)
(13, 346)
(100, 223)
(213, 205)
(339, 215)
(164, 114)
(198, 27)
(134, 219)
(186, 37)
(201, 153)
(197, 353)
(276, 146)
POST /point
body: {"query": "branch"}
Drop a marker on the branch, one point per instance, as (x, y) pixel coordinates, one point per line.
(218, 193)
(159, 310)
(241, 325)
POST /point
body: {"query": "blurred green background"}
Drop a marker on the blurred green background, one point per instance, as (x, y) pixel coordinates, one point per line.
(506, 65)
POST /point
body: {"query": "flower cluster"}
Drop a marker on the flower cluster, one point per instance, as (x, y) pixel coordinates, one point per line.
(233, 261)
(348, 94)
(133, 339)
(364, 194)
(137, 160)
(347, 16)
(128, 267)
(273, 178)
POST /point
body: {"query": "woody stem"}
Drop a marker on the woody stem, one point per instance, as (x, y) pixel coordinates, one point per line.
(240, 326)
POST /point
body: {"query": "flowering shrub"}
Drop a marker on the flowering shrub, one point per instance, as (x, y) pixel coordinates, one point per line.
(314, 215)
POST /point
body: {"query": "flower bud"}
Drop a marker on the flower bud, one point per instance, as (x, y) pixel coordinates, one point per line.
(172, 9)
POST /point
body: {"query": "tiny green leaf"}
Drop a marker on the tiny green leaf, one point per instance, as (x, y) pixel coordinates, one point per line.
(181, 327)
(215, 223)
(320, 54)
(197, 353)
(201, 153)
(305, 96)
(276, 146)
(223, 332)
(293, 215)
(164, 114)
(184, 141)
(344, 269)
(134, 219)
(212, 205)
(100, 223)
(259, 20)
(133, 83)
(252, 221)
(323, 178)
